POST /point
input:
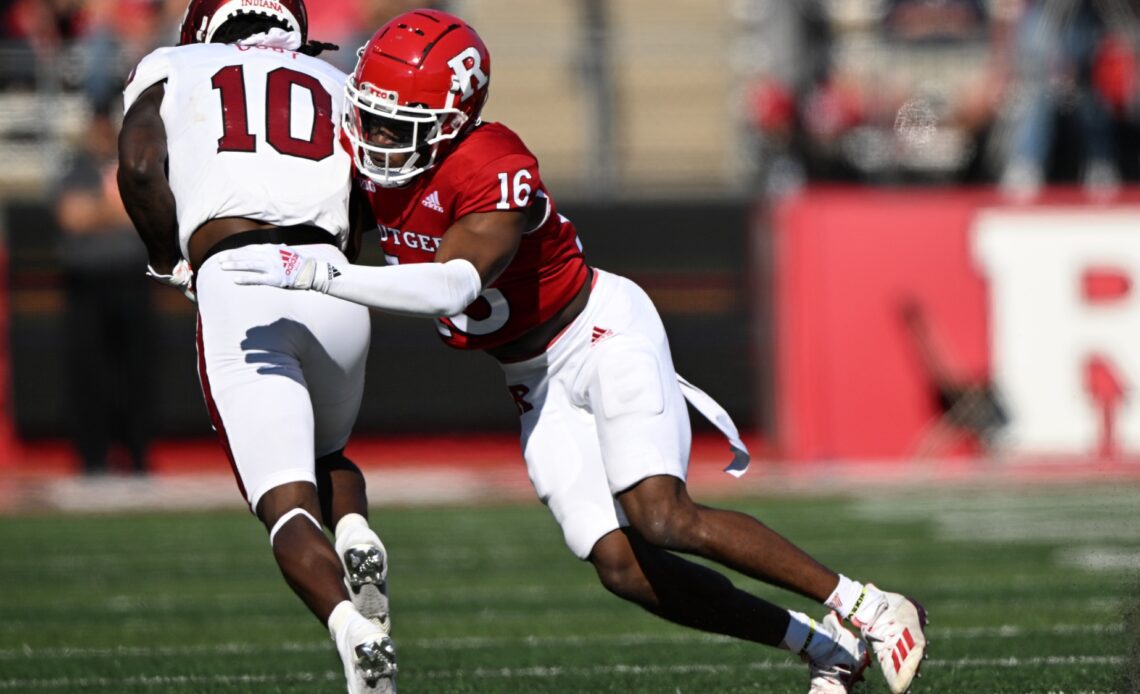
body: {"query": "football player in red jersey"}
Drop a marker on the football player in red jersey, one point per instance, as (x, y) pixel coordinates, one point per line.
(474, 239)
(240, 108)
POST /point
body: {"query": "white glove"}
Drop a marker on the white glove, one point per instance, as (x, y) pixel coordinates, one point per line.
(181, 278)
(277, 265)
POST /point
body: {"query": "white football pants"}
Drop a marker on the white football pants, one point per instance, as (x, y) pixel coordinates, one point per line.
(601, 410)
(282, 373)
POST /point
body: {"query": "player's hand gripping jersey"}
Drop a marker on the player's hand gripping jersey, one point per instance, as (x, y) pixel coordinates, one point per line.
(491, 169)
(253, 132)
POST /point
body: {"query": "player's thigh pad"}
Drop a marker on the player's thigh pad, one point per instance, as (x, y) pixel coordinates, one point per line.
(564, 462)
(640, 413)
(253, 342)
(334, 360)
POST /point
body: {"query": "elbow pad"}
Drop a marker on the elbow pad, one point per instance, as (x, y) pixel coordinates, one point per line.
(420, 289)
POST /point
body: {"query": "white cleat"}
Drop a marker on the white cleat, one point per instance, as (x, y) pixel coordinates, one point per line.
(366, 577)
(898, 637)
(369, 661)
(375, 667)
(842, 668)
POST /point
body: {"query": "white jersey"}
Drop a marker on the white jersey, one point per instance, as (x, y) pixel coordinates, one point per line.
(251, 132)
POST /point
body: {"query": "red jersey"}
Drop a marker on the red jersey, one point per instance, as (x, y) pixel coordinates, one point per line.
(490, 169)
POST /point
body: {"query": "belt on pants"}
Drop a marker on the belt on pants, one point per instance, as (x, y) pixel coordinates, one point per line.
(295, 235)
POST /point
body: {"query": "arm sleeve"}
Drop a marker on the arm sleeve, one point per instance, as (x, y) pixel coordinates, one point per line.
(420, 289)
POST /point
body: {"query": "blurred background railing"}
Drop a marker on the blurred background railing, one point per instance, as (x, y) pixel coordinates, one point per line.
(689, 141)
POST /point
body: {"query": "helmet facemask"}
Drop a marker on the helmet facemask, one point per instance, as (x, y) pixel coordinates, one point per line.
(392, 143)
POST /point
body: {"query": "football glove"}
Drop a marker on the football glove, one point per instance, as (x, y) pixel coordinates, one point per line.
(276, 265)
(181, 278)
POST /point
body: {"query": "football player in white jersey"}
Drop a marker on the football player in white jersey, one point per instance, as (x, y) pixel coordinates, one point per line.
(231, 138)
(474, 239)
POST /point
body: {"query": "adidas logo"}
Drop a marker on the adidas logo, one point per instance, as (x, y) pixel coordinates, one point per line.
(288, 261)
(599, 335)
(432, 201)
(901, 649)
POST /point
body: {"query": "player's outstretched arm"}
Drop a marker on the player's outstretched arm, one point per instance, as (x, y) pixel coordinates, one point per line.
(142, 180)
(424, 289)
(473, 252)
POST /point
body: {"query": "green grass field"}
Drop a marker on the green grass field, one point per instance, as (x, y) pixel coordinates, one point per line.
(1027, 590)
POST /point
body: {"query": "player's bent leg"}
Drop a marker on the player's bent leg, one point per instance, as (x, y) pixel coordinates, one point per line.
(659, 508)
(304, 554)
(692, 595)
(895, 627)
(682, 591)
(344, 507)
(365, 563)
(366, 651)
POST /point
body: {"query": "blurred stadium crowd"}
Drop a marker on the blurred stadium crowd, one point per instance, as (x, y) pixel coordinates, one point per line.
(63, 62)
(1016, 92)
(101, 40)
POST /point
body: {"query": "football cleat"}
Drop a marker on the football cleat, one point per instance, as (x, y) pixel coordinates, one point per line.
(367, 652)
(366, 576)
(897, 636)
(370, 662)
(842, 668)
(374, 668)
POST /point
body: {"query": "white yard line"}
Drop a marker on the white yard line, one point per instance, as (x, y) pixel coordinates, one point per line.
(538, 672)
(1007, 631)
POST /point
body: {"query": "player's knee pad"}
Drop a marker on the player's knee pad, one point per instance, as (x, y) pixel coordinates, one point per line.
(288, 516)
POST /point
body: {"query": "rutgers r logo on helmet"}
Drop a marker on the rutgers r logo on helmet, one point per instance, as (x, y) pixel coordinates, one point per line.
(468, 66)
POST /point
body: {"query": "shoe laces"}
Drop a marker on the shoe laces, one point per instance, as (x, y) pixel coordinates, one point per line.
(837, 670)
(838, 666)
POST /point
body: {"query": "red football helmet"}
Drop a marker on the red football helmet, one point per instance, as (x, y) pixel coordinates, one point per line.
(204, 17)
(420, 82)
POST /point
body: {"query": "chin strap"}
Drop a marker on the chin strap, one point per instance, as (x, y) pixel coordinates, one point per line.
(315, 48)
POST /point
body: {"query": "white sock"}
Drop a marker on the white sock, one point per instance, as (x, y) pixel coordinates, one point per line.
(872, 602)
(804, 637)
(798, 629)
(353, 529)
(845, 596)
(855, 601)
(339, 619)
(350, 522)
